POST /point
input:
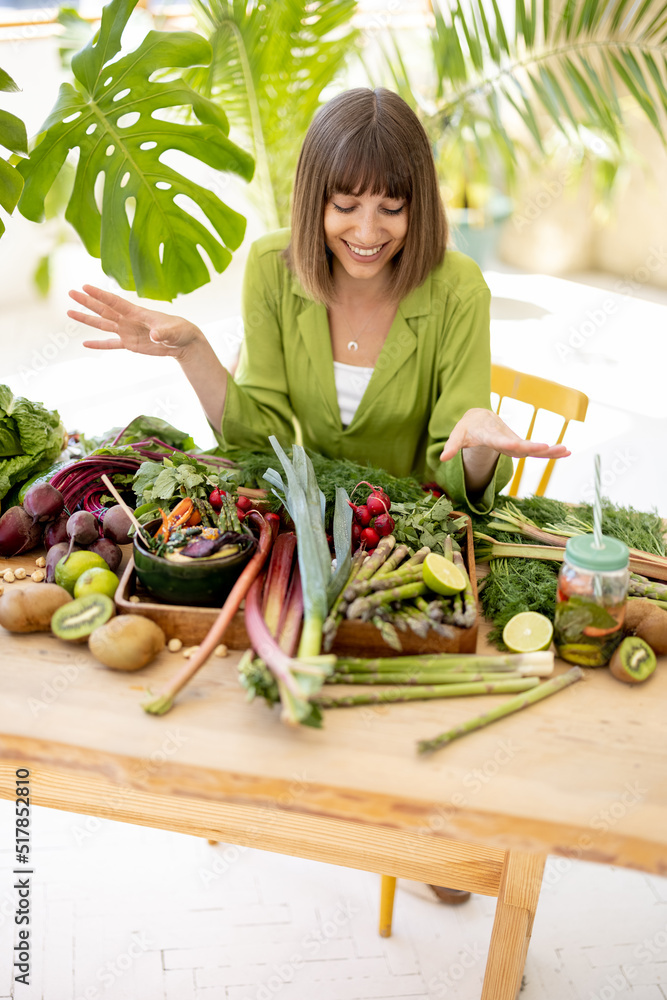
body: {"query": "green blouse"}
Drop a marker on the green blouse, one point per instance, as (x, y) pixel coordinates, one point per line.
(435, 364)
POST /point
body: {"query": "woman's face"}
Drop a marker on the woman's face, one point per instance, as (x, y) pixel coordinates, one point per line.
(364, 231)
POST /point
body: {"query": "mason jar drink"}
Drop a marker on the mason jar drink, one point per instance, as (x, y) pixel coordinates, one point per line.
(590, 602)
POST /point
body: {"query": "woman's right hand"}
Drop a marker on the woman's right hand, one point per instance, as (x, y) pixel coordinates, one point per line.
(143, 331)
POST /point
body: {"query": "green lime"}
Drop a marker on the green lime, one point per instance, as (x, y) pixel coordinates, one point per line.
(69, 569)
(441, 575)
(528, 632)
(96, 581)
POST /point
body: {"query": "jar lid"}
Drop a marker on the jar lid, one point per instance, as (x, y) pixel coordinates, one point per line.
(582, 551)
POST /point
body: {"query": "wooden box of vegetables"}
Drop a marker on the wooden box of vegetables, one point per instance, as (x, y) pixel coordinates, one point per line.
(353, 637)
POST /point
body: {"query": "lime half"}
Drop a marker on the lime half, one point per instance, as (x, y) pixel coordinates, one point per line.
(528, 632)
(441, 575)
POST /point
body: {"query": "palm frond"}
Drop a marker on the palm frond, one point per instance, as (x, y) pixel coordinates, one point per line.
(271, 63)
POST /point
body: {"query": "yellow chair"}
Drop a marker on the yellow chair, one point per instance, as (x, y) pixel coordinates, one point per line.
(541, 394)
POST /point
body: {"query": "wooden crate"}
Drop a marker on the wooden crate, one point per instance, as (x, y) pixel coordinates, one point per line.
(191, 624)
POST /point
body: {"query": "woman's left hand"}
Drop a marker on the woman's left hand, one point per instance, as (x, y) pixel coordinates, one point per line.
(480, 428)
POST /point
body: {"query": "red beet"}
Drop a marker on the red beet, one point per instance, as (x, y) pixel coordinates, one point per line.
(53, 557)
(18, 532)
(43, 502)
(116, 525)
(56, 531)
(109, 551)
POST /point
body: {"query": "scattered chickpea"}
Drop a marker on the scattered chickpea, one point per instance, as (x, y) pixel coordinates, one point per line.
(19, 573)
(174, 645)
(38, 575)
(8, 576)
(190, 651)
(40, 563)
(220, 650)
(135, 599)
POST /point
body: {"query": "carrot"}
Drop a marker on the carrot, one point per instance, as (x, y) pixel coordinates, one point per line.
(163, 702)
(183, 513)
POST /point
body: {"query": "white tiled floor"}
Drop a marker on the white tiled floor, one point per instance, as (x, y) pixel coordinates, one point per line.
(127, 913)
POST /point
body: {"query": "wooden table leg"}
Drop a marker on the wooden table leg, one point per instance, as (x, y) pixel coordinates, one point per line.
(515, 911)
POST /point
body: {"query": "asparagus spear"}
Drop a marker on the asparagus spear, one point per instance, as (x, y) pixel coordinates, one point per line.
(371, 564)
(423, 677)
(423, 693)
(387, 631)
(539, 664)
(507, 708)
(339, 606)
(363, 607)
(469, 613)
(641, 586)
(393, 562)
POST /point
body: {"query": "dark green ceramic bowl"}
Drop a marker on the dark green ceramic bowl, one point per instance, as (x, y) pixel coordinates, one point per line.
(199, 582)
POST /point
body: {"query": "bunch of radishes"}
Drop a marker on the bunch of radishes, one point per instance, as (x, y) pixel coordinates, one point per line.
(371, 520)
(43, 518)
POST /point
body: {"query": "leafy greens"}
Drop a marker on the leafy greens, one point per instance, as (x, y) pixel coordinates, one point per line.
(31, 437)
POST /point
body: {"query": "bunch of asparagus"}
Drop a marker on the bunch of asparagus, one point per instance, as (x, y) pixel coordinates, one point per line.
(387, 589)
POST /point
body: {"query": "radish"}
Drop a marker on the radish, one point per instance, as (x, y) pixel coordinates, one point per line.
(384, 524)
(362, 515)
(370, 538)
(375, 505)
(245, 503)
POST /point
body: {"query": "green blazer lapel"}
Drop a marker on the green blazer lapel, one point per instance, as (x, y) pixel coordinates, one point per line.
(313, 325)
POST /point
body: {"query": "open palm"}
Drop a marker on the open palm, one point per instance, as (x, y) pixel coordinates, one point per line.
(143, 331)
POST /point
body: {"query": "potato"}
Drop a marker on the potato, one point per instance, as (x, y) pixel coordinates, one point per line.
(30, 608)
(644, 619)
(127, 642)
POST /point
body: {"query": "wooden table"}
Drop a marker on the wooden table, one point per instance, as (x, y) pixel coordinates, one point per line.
(582, 774)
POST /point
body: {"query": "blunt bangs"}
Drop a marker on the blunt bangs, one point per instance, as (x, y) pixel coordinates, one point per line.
(369, 162)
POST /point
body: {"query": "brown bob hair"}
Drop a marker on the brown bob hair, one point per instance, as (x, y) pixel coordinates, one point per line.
(366, 141)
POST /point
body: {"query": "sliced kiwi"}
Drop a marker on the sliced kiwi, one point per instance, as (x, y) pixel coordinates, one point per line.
(76, 620)
(633, 661)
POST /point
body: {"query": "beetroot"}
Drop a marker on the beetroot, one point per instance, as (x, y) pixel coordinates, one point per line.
(109, 551)
(54, 555)
(56, 531)
(18, 532)
(42, 502)
(116, 525)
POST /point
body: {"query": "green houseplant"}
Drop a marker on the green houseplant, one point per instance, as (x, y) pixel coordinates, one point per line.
(504, 85)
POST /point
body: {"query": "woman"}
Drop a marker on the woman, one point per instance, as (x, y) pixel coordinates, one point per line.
(358, 322)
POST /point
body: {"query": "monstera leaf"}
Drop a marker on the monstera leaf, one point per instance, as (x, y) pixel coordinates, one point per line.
(146, 236)
(13, 137)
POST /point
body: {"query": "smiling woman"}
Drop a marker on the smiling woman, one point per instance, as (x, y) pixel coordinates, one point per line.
(360, 326)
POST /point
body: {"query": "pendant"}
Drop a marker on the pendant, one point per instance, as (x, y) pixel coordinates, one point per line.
(352, 345)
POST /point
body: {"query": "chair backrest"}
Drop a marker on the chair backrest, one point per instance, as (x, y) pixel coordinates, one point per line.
(541, 394)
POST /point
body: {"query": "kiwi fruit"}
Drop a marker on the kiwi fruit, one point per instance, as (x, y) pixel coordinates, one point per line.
(648, 622)
(76, 620)
(633, 662)
(30, 608)
(129, 642)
